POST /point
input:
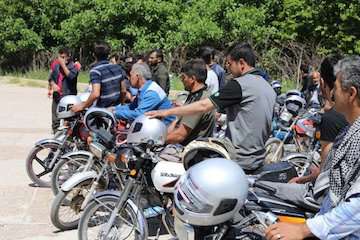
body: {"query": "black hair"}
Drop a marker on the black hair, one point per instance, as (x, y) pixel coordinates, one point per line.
(327, 69)
(65, 50)
(244, 51)
(159, 54)
(196, 68)
(101, 50)
(207, 54)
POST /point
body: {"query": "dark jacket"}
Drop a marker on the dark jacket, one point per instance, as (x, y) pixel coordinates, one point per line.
(160, 75)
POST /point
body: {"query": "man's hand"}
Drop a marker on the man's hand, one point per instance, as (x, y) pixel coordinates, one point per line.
(61, 61)
(157, 114)
(287, 231)
(77, 108)
(314, 173)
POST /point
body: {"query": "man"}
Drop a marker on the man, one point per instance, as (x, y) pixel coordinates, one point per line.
(159, 71)
(248, 101)
(107, 81)
(62, 81)
(188, 128)
(150, 96)
(212, 80)
(332, 122)
(208, 53)
(339, 216)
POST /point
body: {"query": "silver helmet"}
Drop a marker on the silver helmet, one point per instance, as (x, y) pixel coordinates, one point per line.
(63, 109)
(96, 118)
(294, 104)
(211, 192)
(294, 92)
(144, 129)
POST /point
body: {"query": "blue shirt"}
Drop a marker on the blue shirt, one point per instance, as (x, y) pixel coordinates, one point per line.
(340, 222)
(150, 97)
(109, 76)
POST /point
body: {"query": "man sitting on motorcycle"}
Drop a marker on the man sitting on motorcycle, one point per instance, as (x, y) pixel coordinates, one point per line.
(248, 101)
(339, 216)
(187, 128)
(150, 96)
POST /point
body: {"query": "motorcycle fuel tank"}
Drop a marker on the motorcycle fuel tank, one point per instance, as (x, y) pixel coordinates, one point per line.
(166, 174)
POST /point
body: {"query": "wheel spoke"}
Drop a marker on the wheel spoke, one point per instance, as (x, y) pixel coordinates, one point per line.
(40, 162)
(43, 173)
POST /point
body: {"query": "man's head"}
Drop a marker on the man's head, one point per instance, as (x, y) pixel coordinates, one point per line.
(240, 59)
(155, 57)
(207, 54)
(328, 78)
(65, 54)
(193, 73)
(101, 50)
(347, 87)
(139, 73)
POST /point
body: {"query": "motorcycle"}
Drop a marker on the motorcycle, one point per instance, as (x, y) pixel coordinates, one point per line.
(249, 220)
(42, 158)
(79, 189)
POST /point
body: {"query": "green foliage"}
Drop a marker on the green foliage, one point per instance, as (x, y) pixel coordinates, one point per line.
(278, 29)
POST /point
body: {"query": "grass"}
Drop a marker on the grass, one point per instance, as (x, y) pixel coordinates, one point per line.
(44, 74)
(33, 78)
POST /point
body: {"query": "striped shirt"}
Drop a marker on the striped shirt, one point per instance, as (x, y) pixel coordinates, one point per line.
(109, 76)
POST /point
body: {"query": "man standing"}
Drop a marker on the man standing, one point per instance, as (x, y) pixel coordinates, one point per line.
(188, 128)
(248, 101)
(107, 80)
(159, 71)
(62, 81)
(150, 96)
(209, 53)
(212, 80)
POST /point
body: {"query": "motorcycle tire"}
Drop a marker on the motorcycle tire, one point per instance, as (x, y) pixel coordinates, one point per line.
(61, 201)
(65, 168)
(41, 179)
(108, 203)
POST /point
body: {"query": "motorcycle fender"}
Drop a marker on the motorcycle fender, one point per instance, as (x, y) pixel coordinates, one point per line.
(47, 140)
(76, 179)
(69, 155)
(294, 155)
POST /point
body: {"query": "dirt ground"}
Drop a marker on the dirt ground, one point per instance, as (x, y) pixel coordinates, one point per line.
(24, 210)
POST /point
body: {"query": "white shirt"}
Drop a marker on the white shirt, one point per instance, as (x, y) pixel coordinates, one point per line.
(212, 82)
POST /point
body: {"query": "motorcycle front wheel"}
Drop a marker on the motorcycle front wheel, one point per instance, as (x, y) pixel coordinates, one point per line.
(127, 223)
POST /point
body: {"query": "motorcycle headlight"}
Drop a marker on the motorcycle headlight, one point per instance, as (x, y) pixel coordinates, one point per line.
(125, 156)
(97, 149)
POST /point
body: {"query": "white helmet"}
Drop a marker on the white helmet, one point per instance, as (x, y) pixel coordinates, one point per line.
(294, 104)
(294, 92)
(96, 118)
(211, 192)
(144, 129)
(84, 96)
(64, 107)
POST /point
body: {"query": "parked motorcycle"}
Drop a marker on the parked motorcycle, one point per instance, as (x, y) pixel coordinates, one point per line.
(82, 161)
(46, 153)
(79, 189)
(216, 200)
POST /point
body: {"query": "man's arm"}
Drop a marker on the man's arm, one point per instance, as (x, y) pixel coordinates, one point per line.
(338, 223)
(123, 91)
(179, 134)
(149, 102)
(201, 106)
(94, 95)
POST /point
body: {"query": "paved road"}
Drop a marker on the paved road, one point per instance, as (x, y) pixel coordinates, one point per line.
(24, 210)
